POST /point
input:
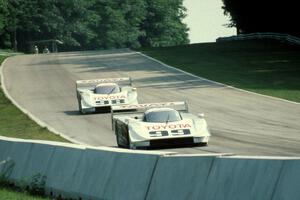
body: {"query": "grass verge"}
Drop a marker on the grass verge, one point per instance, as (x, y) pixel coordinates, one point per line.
(14, 123)
(9, 194)
(263, 66)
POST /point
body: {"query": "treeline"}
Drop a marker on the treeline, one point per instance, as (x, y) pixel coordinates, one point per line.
(92, 24)
(263, 16)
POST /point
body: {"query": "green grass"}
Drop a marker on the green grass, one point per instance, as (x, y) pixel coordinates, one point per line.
(7, 51)
(14, 123)
(262, 66)
(8, 194)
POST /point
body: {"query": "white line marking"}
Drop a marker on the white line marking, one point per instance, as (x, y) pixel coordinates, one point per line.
(166, 83)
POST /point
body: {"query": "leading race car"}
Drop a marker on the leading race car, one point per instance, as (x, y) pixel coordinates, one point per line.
(158, 124)
(99, 94)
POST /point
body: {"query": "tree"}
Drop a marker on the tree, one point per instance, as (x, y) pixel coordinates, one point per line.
(263, 16)
(119, 22)
(4, 36)
(163, 24)
(93, 24)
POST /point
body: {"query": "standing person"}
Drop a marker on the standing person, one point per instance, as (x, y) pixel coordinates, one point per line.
(46, 50)
(36, 50)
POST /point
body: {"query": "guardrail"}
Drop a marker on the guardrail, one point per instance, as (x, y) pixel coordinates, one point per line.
(267, 35)
(82, 172)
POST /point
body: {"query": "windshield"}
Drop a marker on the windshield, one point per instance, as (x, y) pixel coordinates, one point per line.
(162, 116)
(107, 89)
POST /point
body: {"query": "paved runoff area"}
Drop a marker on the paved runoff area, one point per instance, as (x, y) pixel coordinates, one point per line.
(240, 122)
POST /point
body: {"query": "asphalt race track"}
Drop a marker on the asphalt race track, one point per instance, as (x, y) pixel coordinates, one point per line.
(240, 122)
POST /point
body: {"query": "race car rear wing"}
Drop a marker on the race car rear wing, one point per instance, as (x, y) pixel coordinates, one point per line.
(93, 82)
(177, 105)
(180, 106)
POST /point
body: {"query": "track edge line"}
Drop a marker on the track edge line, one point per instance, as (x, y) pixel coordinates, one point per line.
(29, 114)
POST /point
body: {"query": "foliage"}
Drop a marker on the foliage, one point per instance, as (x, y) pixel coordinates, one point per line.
(263, 16)
(37, 185)
(34, 185)
(93, 24)
(6, 168)
(11, 194)
(163, 24)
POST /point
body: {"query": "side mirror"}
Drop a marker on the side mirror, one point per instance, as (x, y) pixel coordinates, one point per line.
(201, 115)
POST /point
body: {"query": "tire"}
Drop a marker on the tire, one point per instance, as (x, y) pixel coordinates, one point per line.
(118, 143)
(128, 143)
(79, 104)
(203, 144)
(82, 111)
(119, 139)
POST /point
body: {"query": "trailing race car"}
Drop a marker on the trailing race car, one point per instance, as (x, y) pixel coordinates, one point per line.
(158, 124)
(98, 94)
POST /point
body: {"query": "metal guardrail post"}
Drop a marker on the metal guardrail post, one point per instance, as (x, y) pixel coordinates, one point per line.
(267, 35)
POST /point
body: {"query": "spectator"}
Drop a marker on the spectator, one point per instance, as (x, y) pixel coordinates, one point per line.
(36, 50)
(46, 50)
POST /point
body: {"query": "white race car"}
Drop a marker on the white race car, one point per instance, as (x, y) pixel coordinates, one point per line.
(99, 94)
(158, 124)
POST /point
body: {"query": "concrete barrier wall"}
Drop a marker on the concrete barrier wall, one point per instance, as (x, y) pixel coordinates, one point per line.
(81, 172)
(62, 170)
(180, 177)
(4, 149)
(19, 153)
(115, 175)
(288, 186)
(225, 178)
(76, 171)
(242, 178)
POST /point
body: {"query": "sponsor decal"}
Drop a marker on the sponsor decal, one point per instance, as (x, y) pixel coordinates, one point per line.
(150, 105)
(109, 97)
(103, 80)
(158, 133)
(157, 127)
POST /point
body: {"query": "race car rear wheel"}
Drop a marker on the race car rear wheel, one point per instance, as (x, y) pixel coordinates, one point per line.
(202, 144)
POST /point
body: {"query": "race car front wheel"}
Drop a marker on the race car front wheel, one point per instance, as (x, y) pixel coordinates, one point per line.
(119, 141)
(82, 111)
(79, 105)
(122, 136)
